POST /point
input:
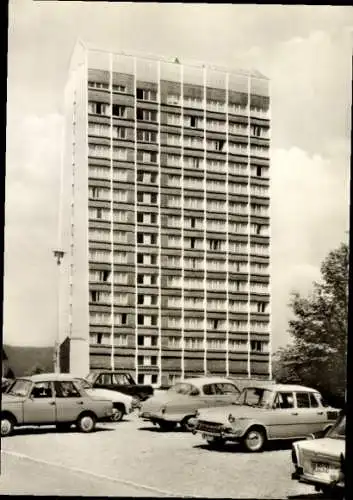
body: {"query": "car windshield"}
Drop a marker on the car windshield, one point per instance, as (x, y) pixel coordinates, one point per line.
(90, 377)
(255, 396)
(185, 389)
(338, 431)
(20, 387)
(82, 383)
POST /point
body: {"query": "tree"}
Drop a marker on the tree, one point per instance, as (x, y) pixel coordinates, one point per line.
(317, 354)
(36, 369)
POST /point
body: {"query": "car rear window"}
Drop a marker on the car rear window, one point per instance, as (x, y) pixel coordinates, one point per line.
(186, 389)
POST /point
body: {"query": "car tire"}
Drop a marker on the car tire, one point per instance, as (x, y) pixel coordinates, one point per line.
(86, 422)
(215, 442)
(118, 413)
(7, 425)
(254, 440)
(166, 426)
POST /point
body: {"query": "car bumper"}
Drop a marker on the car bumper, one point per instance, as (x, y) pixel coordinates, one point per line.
(307, 478)
(218, 434)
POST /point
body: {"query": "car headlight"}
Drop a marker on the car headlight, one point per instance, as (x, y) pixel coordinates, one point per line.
(231, 419)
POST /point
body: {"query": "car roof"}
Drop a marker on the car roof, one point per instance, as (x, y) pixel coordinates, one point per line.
(281, 387)
(200, 381)
(51, 377)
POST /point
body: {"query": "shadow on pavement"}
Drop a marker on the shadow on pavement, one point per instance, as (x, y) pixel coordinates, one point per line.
(308, 496)
(163, 431)
(237, 448)
(25, 431)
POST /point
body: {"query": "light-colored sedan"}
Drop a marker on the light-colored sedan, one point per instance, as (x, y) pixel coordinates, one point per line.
(47, 399)
(321, 462)
(123, 404)
(266, 412)
(178, 404)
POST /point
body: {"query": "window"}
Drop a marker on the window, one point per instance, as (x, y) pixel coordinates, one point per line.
(147, 156)
(146, 115)
(99, 338)
(119, 88)
(146, 136)
(303, 400)
(258, 171)
(98, 108)
(210, 390)
(146, 94)
(119, 111)
(284, 400)
(313, 401)
(229, 389)
(119, 132)
(98, 85)
(42, 390)
(66, 389)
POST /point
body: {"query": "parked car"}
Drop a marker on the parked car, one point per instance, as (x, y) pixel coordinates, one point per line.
(123, 404)
(121, 382)
(321, 462)
(51, 399)
(266, 412)
(178, 404)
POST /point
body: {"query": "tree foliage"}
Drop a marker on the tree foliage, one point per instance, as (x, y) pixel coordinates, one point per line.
(317, 354)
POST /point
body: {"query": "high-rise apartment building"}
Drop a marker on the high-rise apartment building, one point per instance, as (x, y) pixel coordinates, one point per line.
(166, 185)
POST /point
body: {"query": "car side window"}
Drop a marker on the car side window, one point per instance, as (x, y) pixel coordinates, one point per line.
(209, 390)
(104, 379)
(303, 400)
(284, 400)
(229, 389)
(313, 401)
(119, 379)
(42, 390)
(66, 389)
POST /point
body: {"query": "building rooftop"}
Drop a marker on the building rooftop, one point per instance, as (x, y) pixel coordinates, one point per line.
(172, 59)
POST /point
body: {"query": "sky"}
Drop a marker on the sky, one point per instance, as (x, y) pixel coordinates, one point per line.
(305, 51)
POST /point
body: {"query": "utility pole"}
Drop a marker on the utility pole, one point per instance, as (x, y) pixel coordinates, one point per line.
(58, 255)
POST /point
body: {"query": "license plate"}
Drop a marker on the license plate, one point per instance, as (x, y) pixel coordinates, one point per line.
(320, 468)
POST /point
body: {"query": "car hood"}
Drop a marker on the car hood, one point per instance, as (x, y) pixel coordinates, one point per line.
(155, 403)
(324, 447)
(9, 398)
(114, 396)
(221, 413)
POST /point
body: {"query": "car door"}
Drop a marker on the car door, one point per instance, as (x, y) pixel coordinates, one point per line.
(311, 417)
(227, 393)
(39, 407)
(283, 419)
(69, 401)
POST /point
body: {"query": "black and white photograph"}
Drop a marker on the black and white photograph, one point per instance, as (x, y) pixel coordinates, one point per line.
(176, 250)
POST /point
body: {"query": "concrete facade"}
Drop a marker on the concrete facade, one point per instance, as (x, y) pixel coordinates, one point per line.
(166, 218)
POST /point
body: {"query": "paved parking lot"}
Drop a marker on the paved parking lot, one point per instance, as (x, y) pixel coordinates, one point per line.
(133, 458)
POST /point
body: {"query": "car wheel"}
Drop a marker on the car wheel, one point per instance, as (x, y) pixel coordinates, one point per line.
(215, 442)
(254, 439)
(166, 426)
(7, 425)
(118, 413)
(86, 422)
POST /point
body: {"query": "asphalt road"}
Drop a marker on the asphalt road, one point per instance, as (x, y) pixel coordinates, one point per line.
(133, 458)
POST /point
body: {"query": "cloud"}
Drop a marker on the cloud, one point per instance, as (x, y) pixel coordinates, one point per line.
(309, 217)
(32, 180)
